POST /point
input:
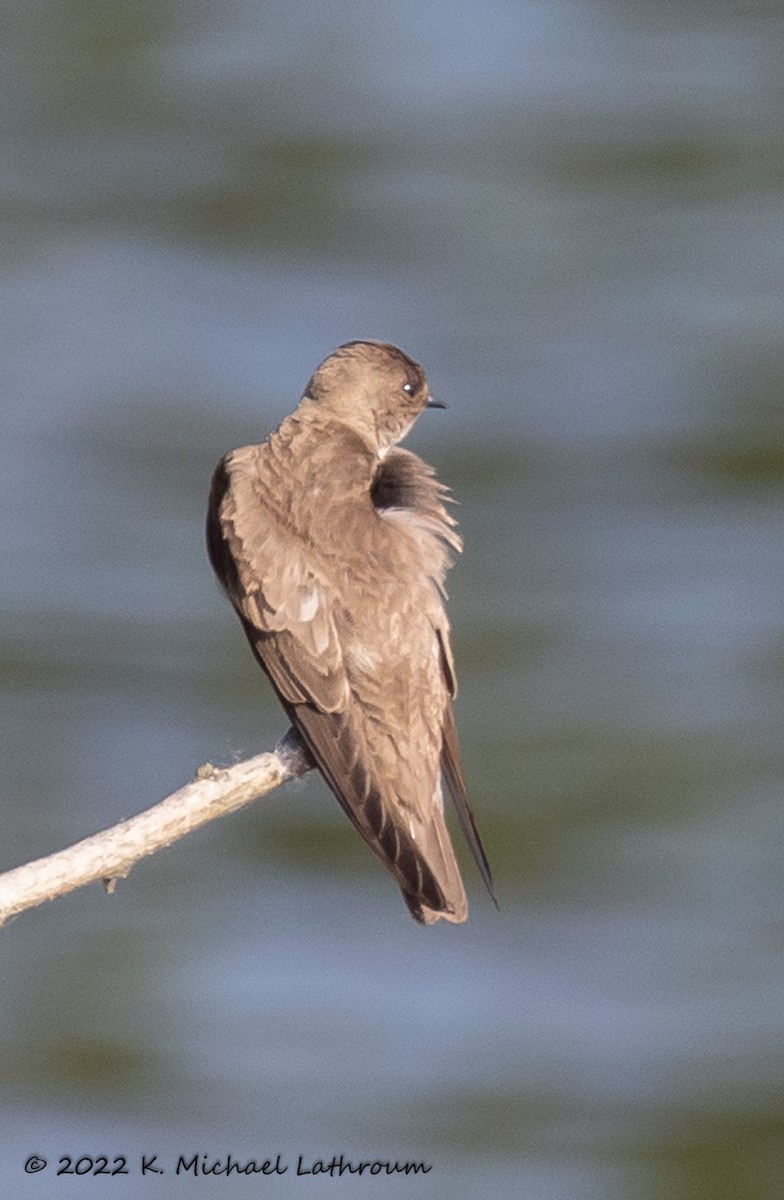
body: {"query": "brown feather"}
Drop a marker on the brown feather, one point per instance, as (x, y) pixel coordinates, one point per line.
(333, 550)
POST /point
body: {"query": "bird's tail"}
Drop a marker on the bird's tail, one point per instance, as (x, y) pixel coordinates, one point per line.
(435, 846)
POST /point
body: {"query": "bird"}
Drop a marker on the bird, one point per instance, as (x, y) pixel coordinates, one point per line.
(332, 544)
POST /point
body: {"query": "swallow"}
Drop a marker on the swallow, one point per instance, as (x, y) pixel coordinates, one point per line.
(333, 545)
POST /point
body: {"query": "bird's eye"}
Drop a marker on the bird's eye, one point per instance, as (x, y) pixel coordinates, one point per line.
(409, 388)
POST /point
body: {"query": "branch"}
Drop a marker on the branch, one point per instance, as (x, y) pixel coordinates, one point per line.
(110, 855)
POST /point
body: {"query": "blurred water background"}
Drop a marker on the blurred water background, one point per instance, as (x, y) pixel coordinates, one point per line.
(573, 214)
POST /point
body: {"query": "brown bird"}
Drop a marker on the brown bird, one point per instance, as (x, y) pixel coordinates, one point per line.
(333, 546)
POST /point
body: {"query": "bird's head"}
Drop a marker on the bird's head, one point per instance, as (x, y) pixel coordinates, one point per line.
(373, 388)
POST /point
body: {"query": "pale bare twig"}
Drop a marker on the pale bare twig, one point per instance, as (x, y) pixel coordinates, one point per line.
(110, 855)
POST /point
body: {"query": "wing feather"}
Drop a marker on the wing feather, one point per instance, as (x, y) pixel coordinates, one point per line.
(452, 766)
(275, 587)
(325, 676)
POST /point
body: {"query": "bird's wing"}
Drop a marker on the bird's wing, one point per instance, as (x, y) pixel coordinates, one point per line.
(406, 490)
(452, 766)
(279, 593)
(285, 604)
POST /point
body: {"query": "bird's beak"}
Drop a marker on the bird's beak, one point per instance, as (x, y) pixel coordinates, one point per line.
(431, 403)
